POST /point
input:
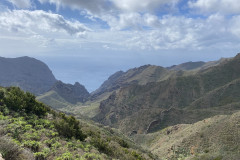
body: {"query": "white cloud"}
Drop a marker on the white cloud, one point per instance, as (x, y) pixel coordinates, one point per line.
(102, 6)
(142, 5)
(151, 20)
(178, 32)
(221, 6)
(124, 21)
(118, 14)
(106, 46)
(31, 22)
(21, 3)
(95, 7)
(132, 21)
(129, 29)
(235, 26)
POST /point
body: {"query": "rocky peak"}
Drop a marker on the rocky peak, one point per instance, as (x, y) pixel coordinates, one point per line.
(71, 93)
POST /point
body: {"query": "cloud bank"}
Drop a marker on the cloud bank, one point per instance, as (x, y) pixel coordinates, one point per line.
(220, 6)
(130, 24)
(39, 21)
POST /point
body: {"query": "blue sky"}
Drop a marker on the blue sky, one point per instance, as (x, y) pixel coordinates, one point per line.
(88, 40)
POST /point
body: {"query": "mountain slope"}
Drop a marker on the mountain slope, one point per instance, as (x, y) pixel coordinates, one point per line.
(149, 73)
(53, 99)
(71, 93)
(200, 65)
(31, 130)
(141, 75)
(144, 108)
(212, 138)
(63, 95)
(28, 73)
(187, 66)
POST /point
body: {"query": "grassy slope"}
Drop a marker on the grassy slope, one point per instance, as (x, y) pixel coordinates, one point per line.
(218, 136)
(54, 100)
(46, 134)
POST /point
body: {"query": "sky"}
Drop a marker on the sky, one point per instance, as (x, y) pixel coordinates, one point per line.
(88, 40)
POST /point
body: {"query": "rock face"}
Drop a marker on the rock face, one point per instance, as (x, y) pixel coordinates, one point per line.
(27, 73)
(71, 93)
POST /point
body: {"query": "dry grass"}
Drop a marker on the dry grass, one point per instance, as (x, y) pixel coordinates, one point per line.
(11, 151)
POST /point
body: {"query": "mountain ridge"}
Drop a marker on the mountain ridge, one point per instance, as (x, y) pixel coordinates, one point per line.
(134, 103)
(62, 95)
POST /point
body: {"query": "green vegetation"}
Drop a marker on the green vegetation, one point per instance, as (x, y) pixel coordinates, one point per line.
(31, 130)
(54, 99)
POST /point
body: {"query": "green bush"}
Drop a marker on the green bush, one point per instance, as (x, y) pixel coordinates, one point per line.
(122, 143)
(69, 127)
(21, 102)
(66, 156)
(92, 156)
(1, 94)
(33, 145)
(102, 146)
(40, 156)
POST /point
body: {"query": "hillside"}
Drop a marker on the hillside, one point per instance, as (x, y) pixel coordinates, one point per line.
(200, 65)
(147, 74)
(31, 130)
(27, 73)
(62, 95)
(213, 138)
(141, 75)
(187, 66)
(148, 108)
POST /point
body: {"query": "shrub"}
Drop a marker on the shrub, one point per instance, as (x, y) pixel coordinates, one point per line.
(21, 102)
(33, 145)
(122, 143)
(1, 94)
(102, 145)
(69, 127)
(92, 156)
(9, 149)
(136, 155)
(40, 156)
(66, 156)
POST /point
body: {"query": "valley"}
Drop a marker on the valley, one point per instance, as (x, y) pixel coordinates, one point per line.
(186, 111)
